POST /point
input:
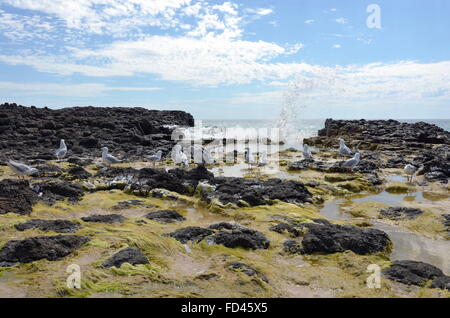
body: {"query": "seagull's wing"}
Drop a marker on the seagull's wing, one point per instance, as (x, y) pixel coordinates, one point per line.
(19, 166)
(112, 159)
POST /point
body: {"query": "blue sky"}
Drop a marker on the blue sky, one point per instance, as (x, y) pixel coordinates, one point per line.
(226, 59)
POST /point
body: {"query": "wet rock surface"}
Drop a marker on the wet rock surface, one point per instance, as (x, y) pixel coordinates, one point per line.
(285, 228)
(388, 132)
(401, 213)
(37, 131)
(77, 173)
(434, 165)
(248, 270)
(108, 218)
(239, 236)
(131, 255)
(256, 192)
(32, 249)
(412, 272)
(331, 238)
(56, 190)
(193, 234)
(60, 226)
(165, 216)
(16, 196)
(442, 282)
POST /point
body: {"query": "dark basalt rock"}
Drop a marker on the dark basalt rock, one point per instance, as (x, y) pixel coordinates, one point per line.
(16, 196)
(434, 164)
(191, 234)
(132, 203)
(401, 213)
(78, 173)
(131, 255)
(442, 282)
(292, 247)
(108, 218)
(248, 270)
(60, 226)
(79, 161)
(256, 192)
(165, 216)
(49, 171)
(385, 131)
(244, 237)
(331, 238)
(396, 162)
(57, 190)
(366, 166)
(284, 227)
(85, 129)
(32, 249)
(412, 272)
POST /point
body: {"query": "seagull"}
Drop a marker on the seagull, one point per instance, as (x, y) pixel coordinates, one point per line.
(410, 170)
(178, 156)
(107, 158)
(154, 158)
(21, 169)
(249, 158)
(262, 160)
(62, 151)
(343, 149)
(352, 162)
(307, 152)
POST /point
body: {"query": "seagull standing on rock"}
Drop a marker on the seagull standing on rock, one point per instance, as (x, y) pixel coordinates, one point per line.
(178, 156)
(262, 160)
(107, 158)
(352, 162)
(307, 152)
(410, 170)
(21, 169)
(62, 150)
(343, 149)
(156, 157)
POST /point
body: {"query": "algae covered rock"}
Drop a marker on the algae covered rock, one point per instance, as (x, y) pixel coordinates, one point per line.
(131, 255)
(16, 196)
(60, 226)
(412, 272)
(284, 227)
(442, 282)
(40, 247)
(165, 216)
(52, 191)
(292, 247)
(108, 218)
(331, 238)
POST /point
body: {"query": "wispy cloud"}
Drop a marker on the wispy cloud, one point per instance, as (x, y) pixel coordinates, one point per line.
(341, 20)
(309, 21)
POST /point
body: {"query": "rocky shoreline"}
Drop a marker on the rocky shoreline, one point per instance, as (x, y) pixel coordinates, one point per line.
(141, 231)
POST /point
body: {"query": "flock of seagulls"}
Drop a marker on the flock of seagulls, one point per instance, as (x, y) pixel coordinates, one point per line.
(202, 155)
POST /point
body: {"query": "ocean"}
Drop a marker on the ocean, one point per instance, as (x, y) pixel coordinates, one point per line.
(300, 129)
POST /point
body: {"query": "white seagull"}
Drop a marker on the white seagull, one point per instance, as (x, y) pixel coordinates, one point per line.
(62, 151)
(343, 149)
(107, 158)
(21, 169)
(410, 170)
(262, 160)
(307, 152)
(249, 158)
(352, 162)
(156, 157)
(178, 156)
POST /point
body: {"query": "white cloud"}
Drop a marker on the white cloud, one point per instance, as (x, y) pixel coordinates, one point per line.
(337, 46)
(56, 89)
(341, 20)
(310, 21)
